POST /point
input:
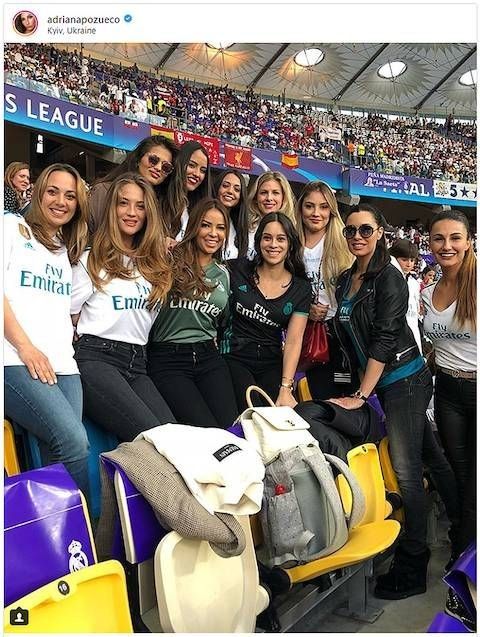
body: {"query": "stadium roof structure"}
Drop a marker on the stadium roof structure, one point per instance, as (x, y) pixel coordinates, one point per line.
(346, 76)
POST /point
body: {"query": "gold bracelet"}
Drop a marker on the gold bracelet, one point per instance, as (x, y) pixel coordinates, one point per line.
(287, 386)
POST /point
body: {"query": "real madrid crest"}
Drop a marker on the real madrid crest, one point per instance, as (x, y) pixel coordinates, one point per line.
(78, 559)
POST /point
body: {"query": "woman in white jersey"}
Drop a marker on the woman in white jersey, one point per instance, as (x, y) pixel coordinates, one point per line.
(118, 286)
(450, 322)
(271, 193)
(325, 255)
(43, 392)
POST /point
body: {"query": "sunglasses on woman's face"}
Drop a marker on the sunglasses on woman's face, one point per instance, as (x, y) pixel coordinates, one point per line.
(365, 231)
(165, 166)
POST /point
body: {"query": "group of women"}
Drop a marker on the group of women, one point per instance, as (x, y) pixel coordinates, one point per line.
(177, 300)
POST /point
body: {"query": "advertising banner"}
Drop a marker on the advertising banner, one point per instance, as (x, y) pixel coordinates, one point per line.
(56, 116)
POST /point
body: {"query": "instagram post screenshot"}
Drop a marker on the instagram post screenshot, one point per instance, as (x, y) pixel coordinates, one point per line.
(240, 306)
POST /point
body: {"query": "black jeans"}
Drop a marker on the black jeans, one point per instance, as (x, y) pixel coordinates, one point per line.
(117, 393)
(405, 404)
(255, 364)
(456, 418)
(195, 381)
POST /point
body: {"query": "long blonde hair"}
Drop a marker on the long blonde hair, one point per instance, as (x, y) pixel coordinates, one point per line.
(74, 234)
(149, 254)
(466, 308)
(337, 256)
(288, 204)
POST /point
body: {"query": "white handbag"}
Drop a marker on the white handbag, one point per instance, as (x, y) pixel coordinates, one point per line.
(273, 429)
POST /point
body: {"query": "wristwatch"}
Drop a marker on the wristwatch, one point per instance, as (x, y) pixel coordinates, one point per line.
(358, 394)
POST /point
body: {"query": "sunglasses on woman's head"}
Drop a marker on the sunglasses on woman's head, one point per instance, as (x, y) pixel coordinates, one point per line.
(365, 231)
(165, 166)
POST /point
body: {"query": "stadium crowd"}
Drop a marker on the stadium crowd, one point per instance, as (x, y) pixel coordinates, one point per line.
(403, 146)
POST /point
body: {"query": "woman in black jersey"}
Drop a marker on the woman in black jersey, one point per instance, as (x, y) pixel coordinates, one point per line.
(268, 295)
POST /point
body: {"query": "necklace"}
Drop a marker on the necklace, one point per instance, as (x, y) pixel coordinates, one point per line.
(272, 294)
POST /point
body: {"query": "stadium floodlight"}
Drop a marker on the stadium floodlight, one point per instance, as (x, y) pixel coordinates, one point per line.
(309, 57)
(391, 70)
(220, 46)
(469, 78)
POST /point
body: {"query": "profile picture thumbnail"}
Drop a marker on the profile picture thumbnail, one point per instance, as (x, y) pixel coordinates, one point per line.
(25, 22)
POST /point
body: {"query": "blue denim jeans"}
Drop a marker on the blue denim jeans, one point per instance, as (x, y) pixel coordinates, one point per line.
(53, 413)
(456, 418)
(405, 403)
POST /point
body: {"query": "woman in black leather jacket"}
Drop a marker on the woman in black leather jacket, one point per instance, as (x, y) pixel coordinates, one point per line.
(376, 341)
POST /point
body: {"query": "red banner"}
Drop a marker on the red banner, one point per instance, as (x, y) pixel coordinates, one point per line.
(211, 144)
(238, 157)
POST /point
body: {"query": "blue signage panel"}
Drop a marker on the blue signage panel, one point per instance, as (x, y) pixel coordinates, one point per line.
(375, 184)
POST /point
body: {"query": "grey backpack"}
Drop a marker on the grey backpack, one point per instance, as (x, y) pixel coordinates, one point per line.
(302, 515)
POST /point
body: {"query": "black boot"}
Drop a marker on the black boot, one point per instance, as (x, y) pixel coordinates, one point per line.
(453, 534)
(407, 576)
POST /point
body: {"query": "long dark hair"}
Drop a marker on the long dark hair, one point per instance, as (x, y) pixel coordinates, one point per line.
(132, 160)
(381, 256)
(239, 213)
(177, 195)
(293, 261)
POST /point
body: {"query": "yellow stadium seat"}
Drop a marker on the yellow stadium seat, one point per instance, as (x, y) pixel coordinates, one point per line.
(364, 542)
(373, 535)
(91, 600)
(389, 476)
(10, 458)
(365, 465)
(303, 390)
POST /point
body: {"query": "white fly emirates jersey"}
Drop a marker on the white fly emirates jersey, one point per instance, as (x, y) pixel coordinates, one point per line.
(117, 312)
(312, 257)
(455, 347)
(38, 286)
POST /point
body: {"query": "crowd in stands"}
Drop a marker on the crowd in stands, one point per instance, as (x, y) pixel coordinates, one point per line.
(404, 146)
(407, 146)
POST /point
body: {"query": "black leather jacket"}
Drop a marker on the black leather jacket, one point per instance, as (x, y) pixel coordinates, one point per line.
(377, 321)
